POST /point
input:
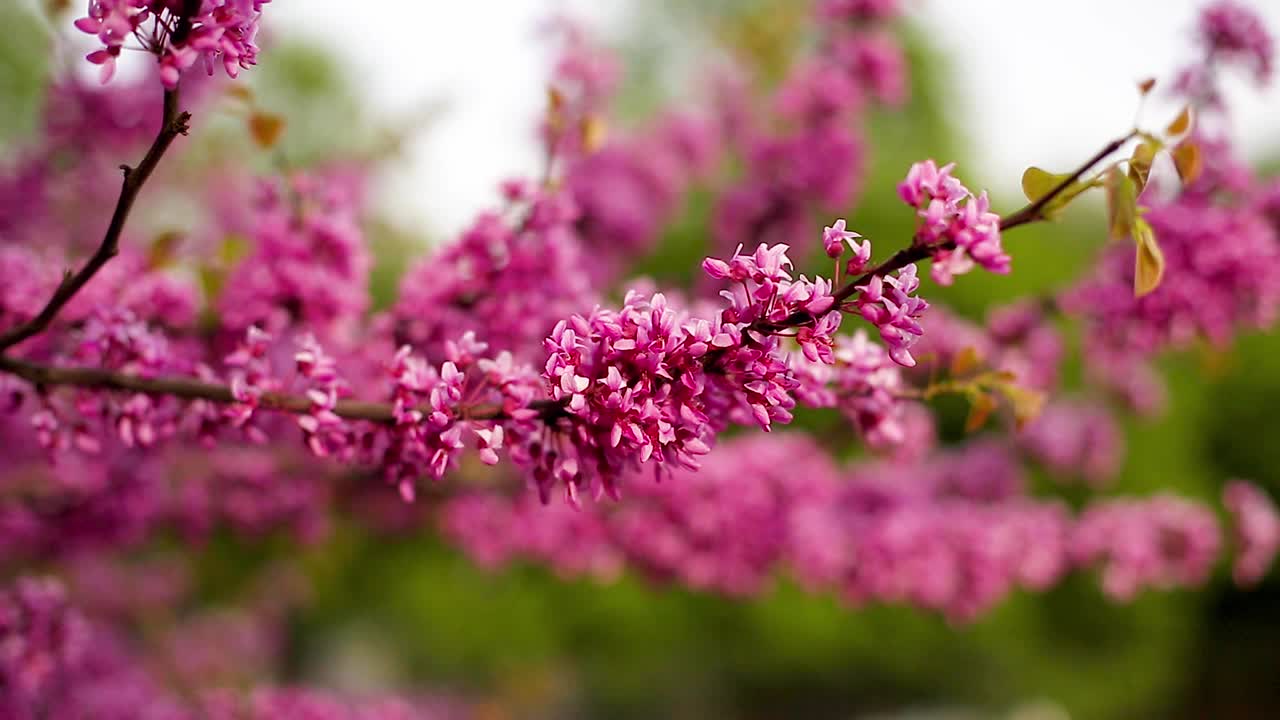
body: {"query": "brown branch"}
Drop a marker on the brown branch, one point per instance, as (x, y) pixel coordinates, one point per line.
(172, 124)
(1035, 211)
(192, 389)
(92, 378)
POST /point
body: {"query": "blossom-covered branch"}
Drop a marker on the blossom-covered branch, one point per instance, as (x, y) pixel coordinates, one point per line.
(91, 378)
(175, 123)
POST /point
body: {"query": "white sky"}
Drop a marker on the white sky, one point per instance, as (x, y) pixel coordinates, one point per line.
(1043, 83)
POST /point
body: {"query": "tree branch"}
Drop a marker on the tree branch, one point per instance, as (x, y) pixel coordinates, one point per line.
(92, 378)
(193, 389)
(1029, 213)
(1035, 211)
(173, 123)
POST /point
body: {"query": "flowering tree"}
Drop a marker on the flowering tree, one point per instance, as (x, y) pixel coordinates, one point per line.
(237, 378)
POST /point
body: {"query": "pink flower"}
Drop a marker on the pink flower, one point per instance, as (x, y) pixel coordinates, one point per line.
(1235, 31)
(887, 302)
(958, 227)
(219, 32)
(1256, 530)
(836, 237)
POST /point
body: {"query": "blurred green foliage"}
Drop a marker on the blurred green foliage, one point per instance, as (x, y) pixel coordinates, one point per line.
(24, 69)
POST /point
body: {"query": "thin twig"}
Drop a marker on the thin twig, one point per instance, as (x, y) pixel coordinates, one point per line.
(172, 124)
(192, 389)
(1029, 213)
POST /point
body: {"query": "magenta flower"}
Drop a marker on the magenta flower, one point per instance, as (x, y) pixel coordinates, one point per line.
(834, 240)
(958, 227)
(1232, 30)
(219, 32)
(887, 302)
(1256, 530)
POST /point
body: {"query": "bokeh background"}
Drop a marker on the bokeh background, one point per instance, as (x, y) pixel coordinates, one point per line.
(447, 95)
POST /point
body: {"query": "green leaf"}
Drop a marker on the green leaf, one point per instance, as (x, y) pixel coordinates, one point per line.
(1037, 183)
(211, 281)
(234, 249)
(1149, 265)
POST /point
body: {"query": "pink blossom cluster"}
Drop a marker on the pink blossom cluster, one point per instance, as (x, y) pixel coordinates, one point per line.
(805, 153)
(1076, 438)
(509, 281)
(956, 557)
(864, 383)
(958, 226)
(132, 302)
(114, 339)
(1234, 31)
(888, 303)
(118, 500)
(631, 382)
(1218, 238)
(1163, 541)
(56, 661)
(431, 427)
(437, 412)
(1019, 340)
(648, 383)
(1213, 289)
(1256, 531)
(952, 532)
(177, 32)
(626, 191)
(309, 262)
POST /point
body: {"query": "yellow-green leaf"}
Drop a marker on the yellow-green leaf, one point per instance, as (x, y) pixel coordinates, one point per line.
(1144, 153)
(162, 249)
(233, 250)
(1186, 158)
(211, 282)
(1182, 123)
(266, 128)
(965, 361)
(1149, 266)
(1122, 203)
(1027, 404)
(1036, 183)
(980, 409)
